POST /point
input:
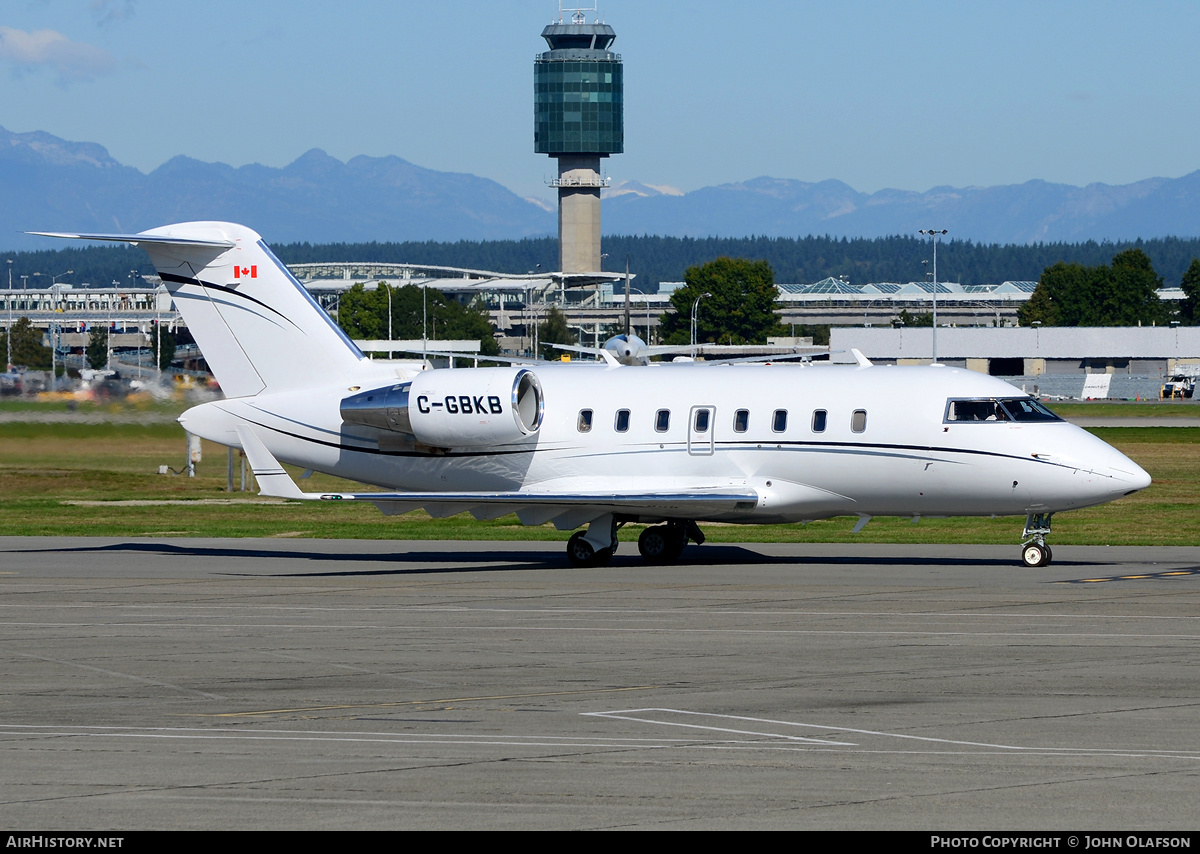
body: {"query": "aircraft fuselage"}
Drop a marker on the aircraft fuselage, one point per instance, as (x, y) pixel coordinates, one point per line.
(812, 441)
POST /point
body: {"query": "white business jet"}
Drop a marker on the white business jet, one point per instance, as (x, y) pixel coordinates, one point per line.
(602, 444)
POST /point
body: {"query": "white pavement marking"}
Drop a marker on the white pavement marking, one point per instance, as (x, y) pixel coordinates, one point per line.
(647, 716)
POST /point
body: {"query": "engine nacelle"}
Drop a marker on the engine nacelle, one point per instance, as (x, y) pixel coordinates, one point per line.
(464, 408)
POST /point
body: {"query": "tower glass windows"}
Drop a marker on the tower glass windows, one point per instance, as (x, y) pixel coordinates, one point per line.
(578, 107)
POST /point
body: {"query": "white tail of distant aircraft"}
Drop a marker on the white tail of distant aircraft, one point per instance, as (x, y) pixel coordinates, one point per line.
(603, 444)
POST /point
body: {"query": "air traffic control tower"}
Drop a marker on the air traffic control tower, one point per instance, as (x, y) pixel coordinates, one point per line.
(578, 107)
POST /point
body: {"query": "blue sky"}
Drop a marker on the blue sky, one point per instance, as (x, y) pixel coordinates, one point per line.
(902, 95)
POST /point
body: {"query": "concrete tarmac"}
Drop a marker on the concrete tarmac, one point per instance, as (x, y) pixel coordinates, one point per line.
(306, 684)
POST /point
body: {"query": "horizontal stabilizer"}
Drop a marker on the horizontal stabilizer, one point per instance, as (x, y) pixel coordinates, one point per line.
(160, 240)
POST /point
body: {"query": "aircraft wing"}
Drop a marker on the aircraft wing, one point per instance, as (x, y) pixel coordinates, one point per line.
(511, 360)
(607, 356)
(566, 510)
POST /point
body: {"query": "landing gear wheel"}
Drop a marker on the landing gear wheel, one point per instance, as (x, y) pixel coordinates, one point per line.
(655, 545)
(677, 540)
(663, 544)
(1034, 551)
(1035, 554)
(580, 551)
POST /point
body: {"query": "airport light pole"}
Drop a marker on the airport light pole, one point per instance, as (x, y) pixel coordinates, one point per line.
(8, 331)
(627, 295)
(54, 330)
(933, 232)
(695, 309)
(643, 293)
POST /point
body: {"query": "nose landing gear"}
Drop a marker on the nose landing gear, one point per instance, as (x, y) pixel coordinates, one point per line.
(1034, 551)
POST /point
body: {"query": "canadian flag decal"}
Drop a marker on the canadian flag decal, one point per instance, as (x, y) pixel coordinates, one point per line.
(250, 272)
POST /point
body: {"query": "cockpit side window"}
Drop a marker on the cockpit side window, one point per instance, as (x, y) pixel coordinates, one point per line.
(975, 410)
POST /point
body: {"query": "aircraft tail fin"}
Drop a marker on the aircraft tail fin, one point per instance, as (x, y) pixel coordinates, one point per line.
(256, 325)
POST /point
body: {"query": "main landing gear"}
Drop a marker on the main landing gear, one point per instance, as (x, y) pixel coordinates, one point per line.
(659, 544)
(1034, 551)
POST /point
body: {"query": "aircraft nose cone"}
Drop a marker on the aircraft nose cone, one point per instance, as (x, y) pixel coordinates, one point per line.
(1129, 474)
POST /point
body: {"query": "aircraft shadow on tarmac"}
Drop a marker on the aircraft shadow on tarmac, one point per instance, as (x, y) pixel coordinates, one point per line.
(424, 561)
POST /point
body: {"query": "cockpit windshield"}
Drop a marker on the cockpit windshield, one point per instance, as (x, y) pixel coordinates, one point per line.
(1021, 409)
(1027, 409)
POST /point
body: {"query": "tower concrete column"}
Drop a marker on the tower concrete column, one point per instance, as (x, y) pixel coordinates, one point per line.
(579, 186)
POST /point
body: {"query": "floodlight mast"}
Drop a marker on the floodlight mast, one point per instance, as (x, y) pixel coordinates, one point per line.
(933, 232)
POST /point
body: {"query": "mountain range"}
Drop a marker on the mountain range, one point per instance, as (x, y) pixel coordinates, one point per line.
(49, 183)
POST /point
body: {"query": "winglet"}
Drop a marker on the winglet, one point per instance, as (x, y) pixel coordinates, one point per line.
(272, 479)
(863, 361)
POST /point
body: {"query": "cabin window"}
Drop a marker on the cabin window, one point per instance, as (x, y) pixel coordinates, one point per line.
(662, 420)
(741, 421)
(585, 421)
(779, 420)
(818, 422)
(858, 421)
(622, 424)
(701, 421)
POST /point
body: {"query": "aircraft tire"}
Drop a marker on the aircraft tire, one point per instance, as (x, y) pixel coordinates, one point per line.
(1035, 555)
(580, 552)
(655, 545)
(677, 539)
